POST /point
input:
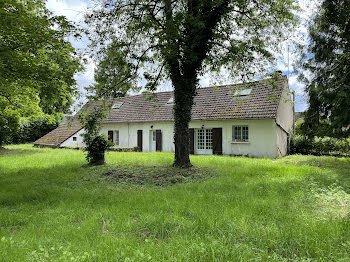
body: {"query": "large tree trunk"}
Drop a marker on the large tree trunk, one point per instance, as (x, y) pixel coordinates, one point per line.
(182, 152)
(184, 94)
(184, 58)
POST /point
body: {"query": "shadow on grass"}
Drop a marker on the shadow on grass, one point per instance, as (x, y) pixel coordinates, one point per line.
(9, 152)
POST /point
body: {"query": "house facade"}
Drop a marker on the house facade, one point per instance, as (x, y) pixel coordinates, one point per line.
(246, 119)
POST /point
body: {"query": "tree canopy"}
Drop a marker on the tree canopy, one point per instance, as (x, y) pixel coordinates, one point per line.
(37, 62)
(181, 40)
(326, 65)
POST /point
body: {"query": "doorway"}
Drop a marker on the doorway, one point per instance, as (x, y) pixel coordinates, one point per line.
(204, 141)
(153, 141)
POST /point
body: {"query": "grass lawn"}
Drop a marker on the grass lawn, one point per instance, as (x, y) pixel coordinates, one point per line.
(227, 209)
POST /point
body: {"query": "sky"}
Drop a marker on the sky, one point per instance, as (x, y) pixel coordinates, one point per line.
(74, 11)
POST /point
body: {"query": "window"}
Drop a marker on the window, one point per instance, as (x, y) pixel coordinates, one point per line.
(74, 138)
(171, 101)
(117, 137)
(240, 134)
(117, 105)
(242, 92)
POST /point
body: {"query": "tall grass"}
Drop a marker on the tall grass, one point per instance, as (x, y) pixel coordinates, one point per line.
(291, 209)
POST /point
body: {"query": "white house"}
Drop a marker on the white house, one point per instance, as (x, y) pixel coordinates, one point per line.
(244, 119)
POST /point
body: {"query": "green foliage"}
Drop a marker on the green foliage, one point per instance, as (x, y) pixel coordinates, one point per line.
(326, 65)
(95, 148)
(8, 125)
(321, 129)
(290, 209)
(95, 144)
(153, 41)
(320, 145)
(37, 62)
(31, 129)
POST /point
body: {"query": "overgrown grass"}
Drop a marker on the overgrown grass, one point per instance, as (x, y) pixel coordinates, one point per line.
(290, 209)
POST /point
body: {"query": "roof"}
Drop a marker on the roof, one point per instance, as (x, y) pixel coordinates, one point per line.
(60, 134)
(210, 103)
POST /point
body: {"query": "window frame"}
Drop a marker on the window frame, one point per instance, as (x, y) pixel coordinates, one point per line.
(242, 134)
(117, 138)
(117, 105)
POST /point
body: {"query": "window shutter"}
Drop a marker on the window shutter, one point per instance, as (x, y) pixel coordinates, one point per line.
(139, 140)
(158, 140)
(110, 135)
(217, 141)
(191, 131)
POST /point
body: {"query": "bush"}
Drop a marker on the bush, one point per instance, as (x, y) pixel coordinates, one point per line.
(320, 146)
(31, 129)
(96, 150)
(95, 143)
(9, 123)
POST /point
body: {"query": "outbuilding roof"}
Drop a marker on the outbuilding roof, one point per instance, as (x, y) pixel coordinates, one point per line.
(60, 134)
(211, 103)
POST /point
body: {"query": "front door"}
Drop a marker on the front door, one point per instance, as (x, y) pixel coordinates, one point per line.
(153, 141)
(204, 142)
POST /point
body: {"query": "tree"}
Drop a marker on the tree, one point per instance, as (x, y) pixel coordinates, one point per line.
(37, 62)
(180, 40)
(326, 65)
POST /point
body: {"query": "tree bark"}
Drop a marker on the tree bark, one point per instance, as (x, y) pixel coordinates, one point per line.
(184, 94)
(181, 138)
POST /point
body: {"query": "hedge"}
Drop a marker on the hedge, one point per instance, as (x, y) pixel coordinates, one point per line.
(32, 129)
(320, 146)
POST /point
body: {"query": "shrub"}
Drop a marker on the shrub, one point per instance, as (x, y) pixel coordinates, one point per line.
(95, 143)
(31, 129)
(96, 150)
(320, 145)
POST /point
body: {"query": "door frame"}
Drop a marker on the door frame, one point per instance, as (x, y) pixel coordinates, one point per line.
(206, 151)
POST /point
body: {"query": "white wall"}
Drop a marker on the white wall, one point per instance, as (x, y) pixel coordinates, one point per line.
(285, 110)
(263, 136)
(285, 121)
(282, 142)
(79, 142)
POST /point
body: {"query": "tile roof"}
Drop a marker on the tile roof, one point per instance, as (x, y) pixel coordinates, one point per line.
(210, 103)
(60, 134)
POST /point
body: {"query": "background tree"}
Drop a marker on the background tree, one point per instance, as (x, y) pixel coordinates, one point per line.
(37, 63)
(181, 40)
(326, 65)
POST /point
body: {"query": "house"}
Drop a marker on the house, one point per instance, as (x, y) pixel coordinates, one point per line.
(252, 119)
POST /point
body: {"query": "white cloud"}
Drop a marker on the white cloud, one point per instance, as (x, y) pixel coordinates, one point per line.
(72, 9)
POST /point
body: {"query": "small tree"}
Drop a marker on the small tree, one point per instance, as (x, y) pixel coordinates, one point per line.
(95, 143)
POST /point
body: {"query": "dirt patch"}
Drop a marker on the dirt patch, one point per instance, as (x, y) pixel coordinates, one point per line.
(157, 176)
